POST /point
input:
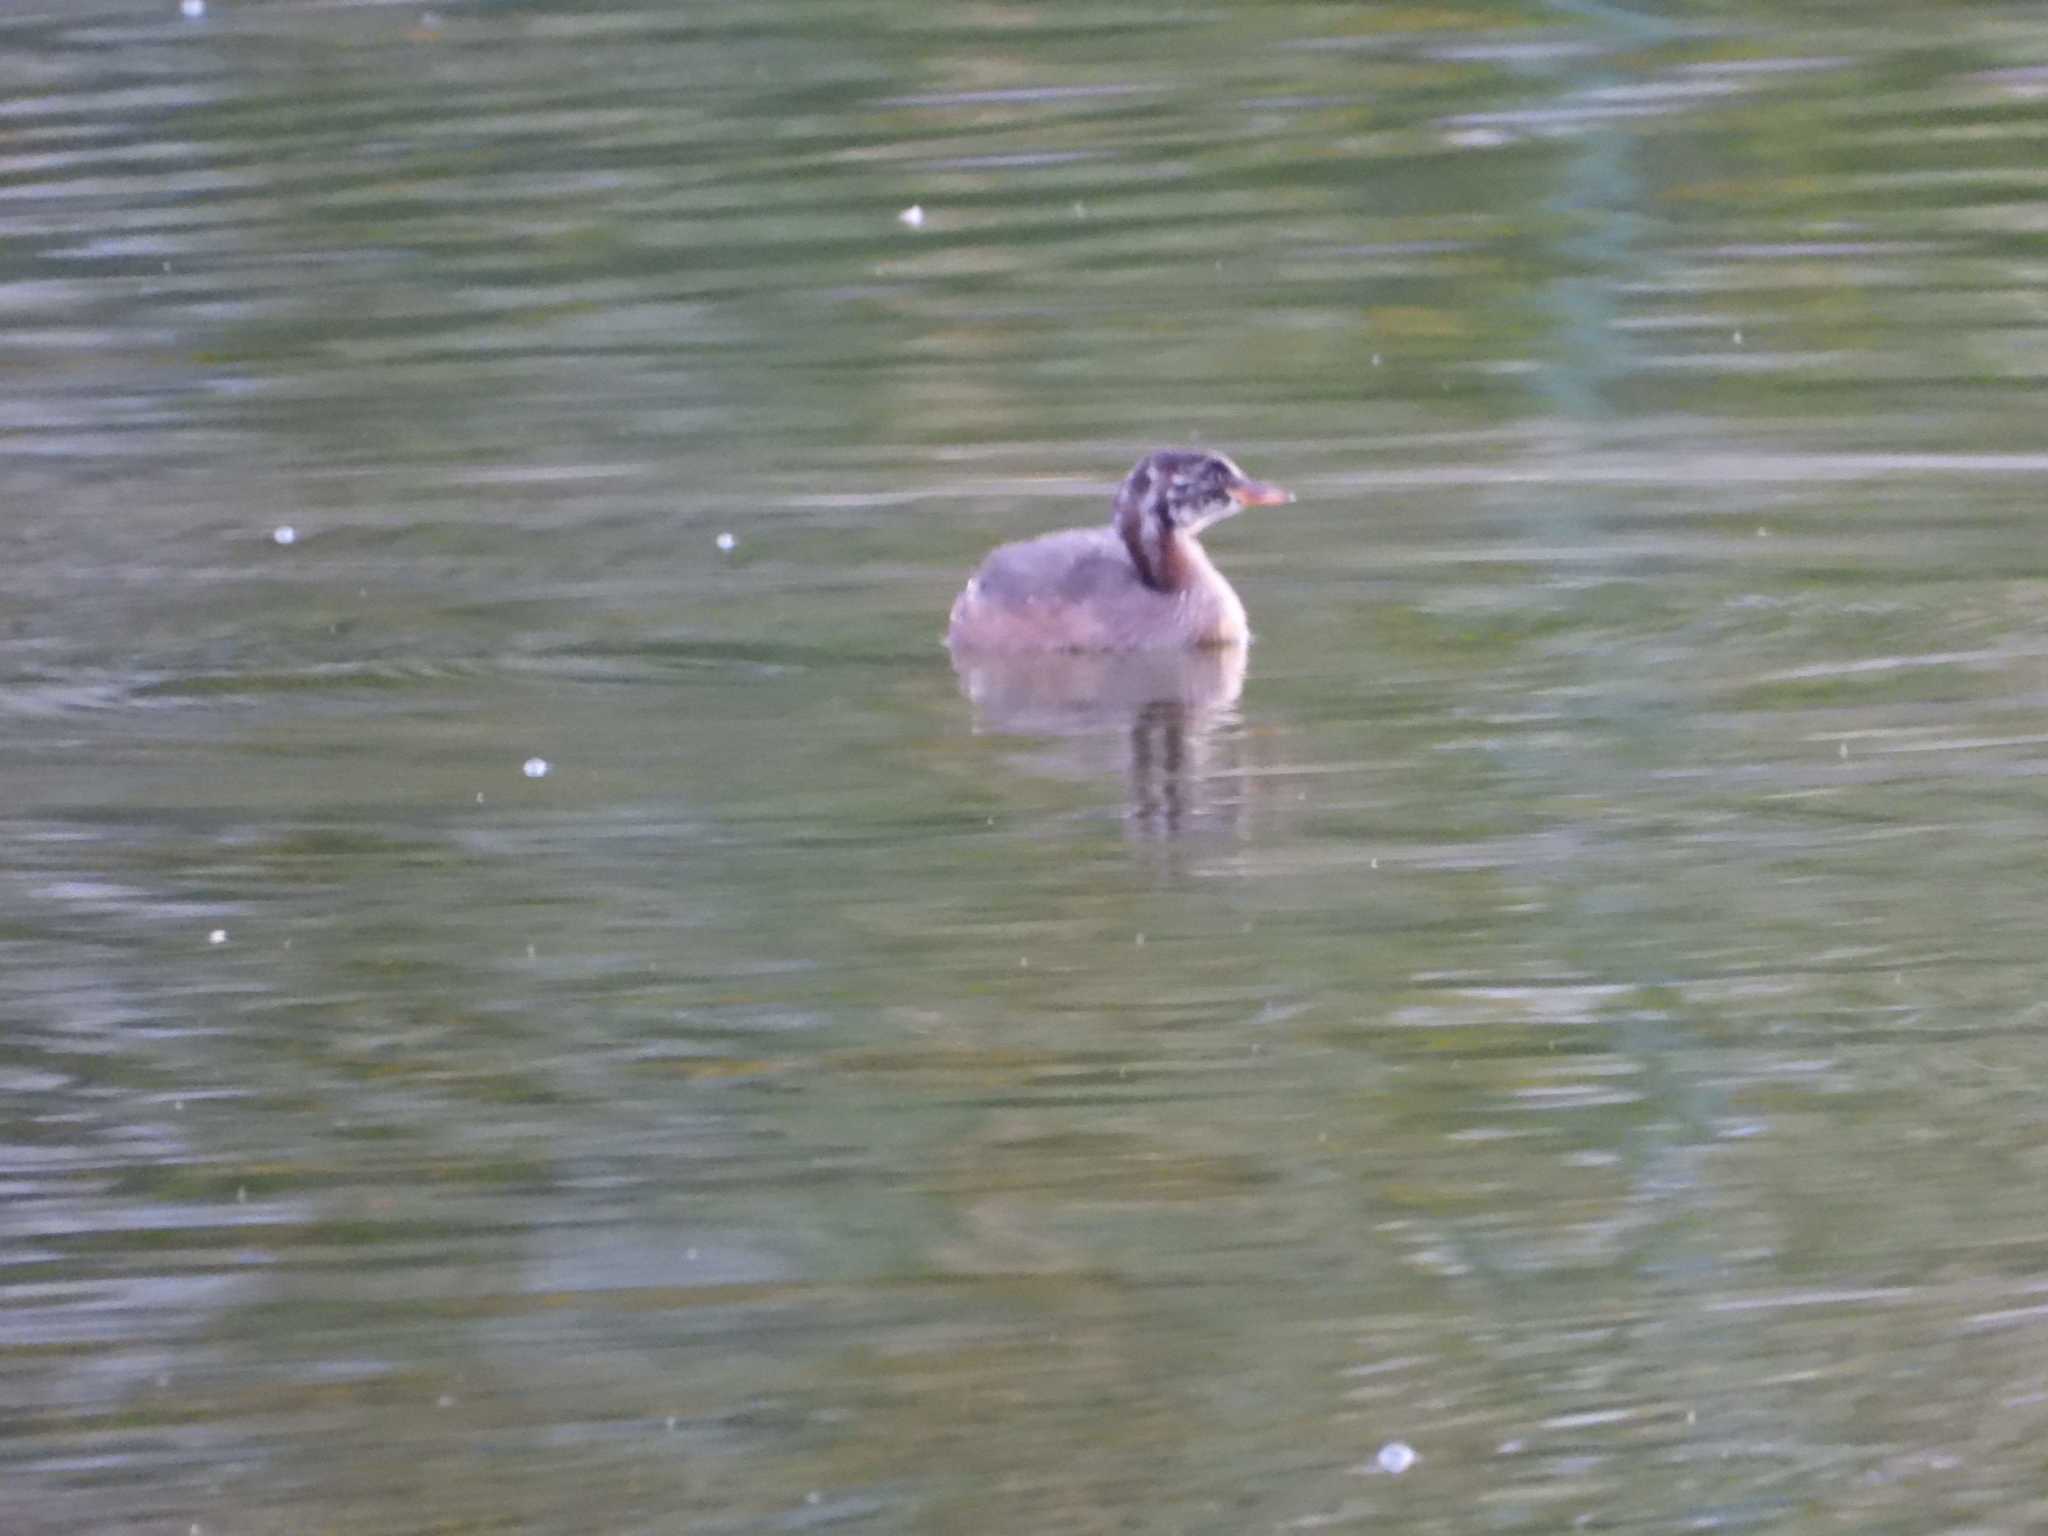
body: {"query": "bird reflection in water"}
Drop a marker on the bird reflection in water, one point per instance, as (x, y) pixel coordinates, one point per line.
(1164, 719)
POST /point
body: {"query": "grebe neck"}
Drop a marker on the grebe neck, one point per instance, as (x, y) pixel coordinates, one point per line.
(1158, 549)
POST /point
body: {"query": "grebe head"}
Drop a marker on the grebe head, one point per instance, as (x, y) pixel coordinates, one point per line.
(1177, 492)
(1186, 491)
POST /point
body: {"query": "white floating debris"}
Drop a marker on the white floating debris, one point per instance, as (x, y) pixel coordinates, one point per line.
(1375, 359)
(1736, 338)
(287, 535)
(191, 10)
(218, 936)
(1396, 1456)
(726, 542)
(445, 1400)
(535, 768)
(912, 217)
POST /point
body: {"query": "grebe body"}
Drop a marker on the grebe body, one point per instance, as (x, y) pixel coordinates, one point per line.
(1142, 583)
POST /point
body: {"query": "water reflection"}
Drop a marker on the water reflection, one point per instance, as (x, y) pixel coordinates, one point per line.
(1162, 719)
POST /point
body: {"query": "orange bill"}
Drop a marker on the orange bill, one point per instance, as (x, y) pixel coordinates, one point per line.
(1257, 493)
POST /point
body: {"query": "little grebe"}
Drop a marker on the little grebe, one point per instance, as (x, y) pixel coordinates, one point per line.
(1142, 583)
